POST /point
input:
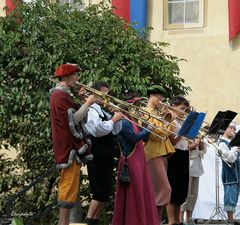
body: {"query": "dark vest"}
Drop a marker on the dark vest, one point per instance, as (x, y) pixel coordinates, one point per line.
(230, 175)
(103, 147)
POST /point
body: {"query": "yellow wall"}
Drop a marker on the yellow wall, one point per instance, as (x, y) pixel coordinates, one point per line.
(87, 2)
(212, 68)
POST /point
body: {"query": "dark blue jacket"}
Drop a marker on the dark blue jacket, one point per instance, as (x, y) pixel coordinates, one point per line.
(128, 138)
(230, 175)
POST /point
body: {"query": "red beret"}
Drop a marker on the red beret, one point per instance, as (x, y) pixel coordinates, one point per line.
(66, 70)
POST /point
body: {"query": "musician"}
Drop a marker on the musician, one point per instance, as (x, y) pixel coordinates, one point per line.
(68, 137)
(178, 163)
(102, 127)
(157, 150)
(134, 202)
(197, 150)
(230, 175)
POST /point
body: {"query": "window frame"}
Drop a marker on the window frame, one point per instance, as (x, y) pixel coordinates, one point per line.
(177, 26)
(71, 2)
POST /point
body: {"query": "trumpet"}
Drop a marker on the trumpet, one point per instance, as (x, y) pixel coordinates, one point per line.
(135, 112)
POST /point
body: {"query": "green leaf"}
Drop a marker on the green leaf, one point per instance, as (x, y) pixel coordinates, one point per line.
(17, 221)
(44, 36)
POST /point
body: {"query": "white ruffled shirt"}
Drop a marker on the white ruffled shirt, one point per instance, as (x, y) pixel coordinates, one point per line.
(229, 155)
(96, 126)
(182, 144)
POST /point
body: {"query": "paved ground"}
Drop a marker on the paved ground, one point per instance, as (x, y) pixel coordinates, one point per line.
(196, 222)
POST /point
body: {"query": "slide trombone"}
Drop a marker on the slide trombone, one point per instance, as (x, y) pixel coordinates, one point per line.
(212, 140)
(133, 111)
(164, 114)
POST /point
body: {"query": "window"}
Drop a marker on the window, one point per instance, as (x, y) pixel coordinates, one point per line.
(180, 14)
(71, 2)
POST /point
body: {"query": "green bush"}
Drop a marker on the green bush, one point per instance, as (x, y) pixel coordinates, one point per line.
(34, 40)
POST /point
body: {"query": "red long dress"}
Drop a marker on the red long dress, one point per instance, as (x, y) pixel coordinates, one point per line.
(134, 202)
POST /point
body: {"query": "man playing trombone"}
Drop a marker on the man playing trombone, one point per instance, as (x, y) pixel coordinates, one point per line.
(178, 163)
(70, 142)
(102, 127)
(157, 149)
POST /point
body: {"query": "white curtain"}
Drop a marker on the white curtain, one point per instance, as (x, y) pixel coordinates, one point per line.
(207, 189)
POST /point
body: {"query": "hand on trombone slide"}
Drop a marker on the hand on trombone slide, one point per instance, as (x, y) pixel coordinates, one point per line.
(150, 127)
(117, 117)
(90, 100)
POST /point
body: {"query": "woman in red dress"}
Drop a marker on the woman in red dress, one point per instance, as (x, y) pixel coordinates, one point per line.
(134, 201)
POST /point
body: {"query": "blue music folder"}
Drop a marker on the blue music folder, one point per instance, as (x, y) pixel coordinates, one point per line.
(192, 125)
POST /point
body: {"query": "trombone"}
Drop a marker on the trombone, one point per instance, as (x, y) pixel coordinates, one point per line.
(165, 116)
(164, 110)
(133, 111)
(166, 119)
(211, 141)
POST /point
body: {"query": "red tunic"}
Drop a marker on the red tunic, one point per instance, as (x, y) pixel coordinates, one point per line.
(134, 203)
(62, 137)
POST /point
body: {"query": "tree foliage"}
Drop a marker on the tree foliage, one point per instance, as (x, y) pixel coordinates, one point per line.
(34, 40)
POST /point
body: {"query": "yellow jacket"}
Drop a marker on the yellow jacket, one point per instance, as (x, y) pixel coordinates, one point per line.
(155, 147)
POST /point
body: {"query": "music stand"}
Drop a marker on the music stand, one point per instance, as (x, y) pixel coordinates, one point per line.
(192, 125)
(219, 124)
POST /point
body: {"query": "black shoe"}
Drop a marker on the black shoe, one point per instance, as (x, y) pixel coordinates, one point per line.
(96, 222)
(90, 221)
